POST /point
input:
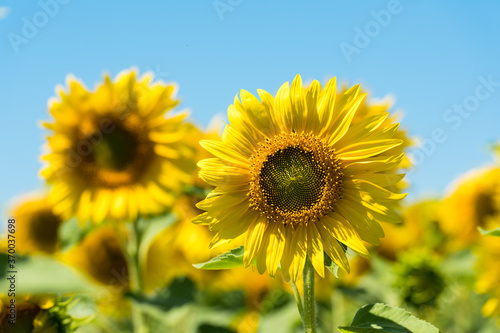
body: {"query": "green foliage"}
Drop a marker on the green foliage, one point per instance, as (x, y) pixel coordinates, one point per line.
(180, 292)
(71, 233)
(60, 317)
(148, 229)
(382, 318)
(45, 275)
(230, 259)
(494, 232)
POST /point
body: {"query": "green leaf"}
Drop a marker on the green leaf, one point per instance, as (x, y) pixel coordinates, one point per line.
(231, 259)
(180, 292)
(494, 232)
(41, 274)
(72, 233)
(150, 228)
(382, 318)
(331, 266)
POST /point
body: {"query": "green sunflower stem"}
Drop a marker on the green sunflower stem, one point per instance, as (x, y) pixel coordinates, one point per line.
(309, 317)
(132, 245)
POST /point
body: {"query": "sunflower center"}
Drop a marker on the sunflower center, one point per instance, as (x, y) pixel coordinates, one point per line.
(117, 154)
(44, 230)
(296, 178)
(105, 258)
(116, 151)
(25, 316)
(485, 207)
(292, 180)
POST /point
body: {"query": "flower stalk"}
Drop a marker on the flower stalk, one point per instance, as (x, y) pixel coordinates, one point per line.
(309, 316)
(131, 242)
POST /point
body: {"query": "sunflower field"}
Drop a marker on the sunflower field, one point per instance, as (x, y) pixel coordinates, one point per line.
(301, 207)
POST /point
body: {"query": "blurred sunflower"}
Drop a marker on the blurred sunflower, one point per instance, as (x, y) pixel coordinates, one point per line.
(488, 268)
(37, 225)
(40, 314)
(359, 267)
(473, 202)
(419, 229)
(419, 279)
(299, 178)
(113, 153)
(100, 256)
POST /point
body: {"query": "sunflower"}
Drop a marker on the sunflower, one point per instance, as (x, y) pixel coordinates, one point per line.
(113, 153)
(37, 225)
(488, 268)
(294, 176)
(100, 256)
(473, 202)
(25, 315)
(419, 229)
(38, 314)
(419, 279)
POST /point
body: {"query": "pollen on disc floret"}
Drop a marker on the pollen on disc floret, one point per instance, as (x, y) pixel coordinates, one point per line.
(296, 178)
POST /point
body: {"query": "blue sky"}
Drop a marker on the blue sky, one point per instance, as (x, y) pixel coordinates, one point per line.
(439, 60)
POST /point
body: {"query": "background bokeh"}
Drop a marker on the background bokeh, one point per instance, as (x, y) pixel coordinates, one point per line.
(429, 55)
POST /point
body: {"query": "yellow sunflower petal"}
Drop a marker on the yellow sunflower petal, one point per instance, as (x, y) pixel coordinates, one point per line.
(315, 249)
(224, 152)
(344, 232)
(253, 240)
(275, 247)
(367, 149)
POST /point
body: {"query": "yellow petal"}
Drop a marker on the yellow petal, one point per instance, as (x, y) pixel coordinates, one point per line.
(333, 249)
(312, 97)
(256, 113)
(202, 219)
(362, 129)
(382, 179)
(344, 232)
(222, 202)
(275, 247)
(368, 229)
(367, 149)
(299, 104)
(374, 190)
(326, 106)
(253, 239)
(224, 152)
(287, 258)
(245, 145)
(342, 123)
(101, 205)
(373, 164)
(283, 108)
(299, 252)
(315, 248)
